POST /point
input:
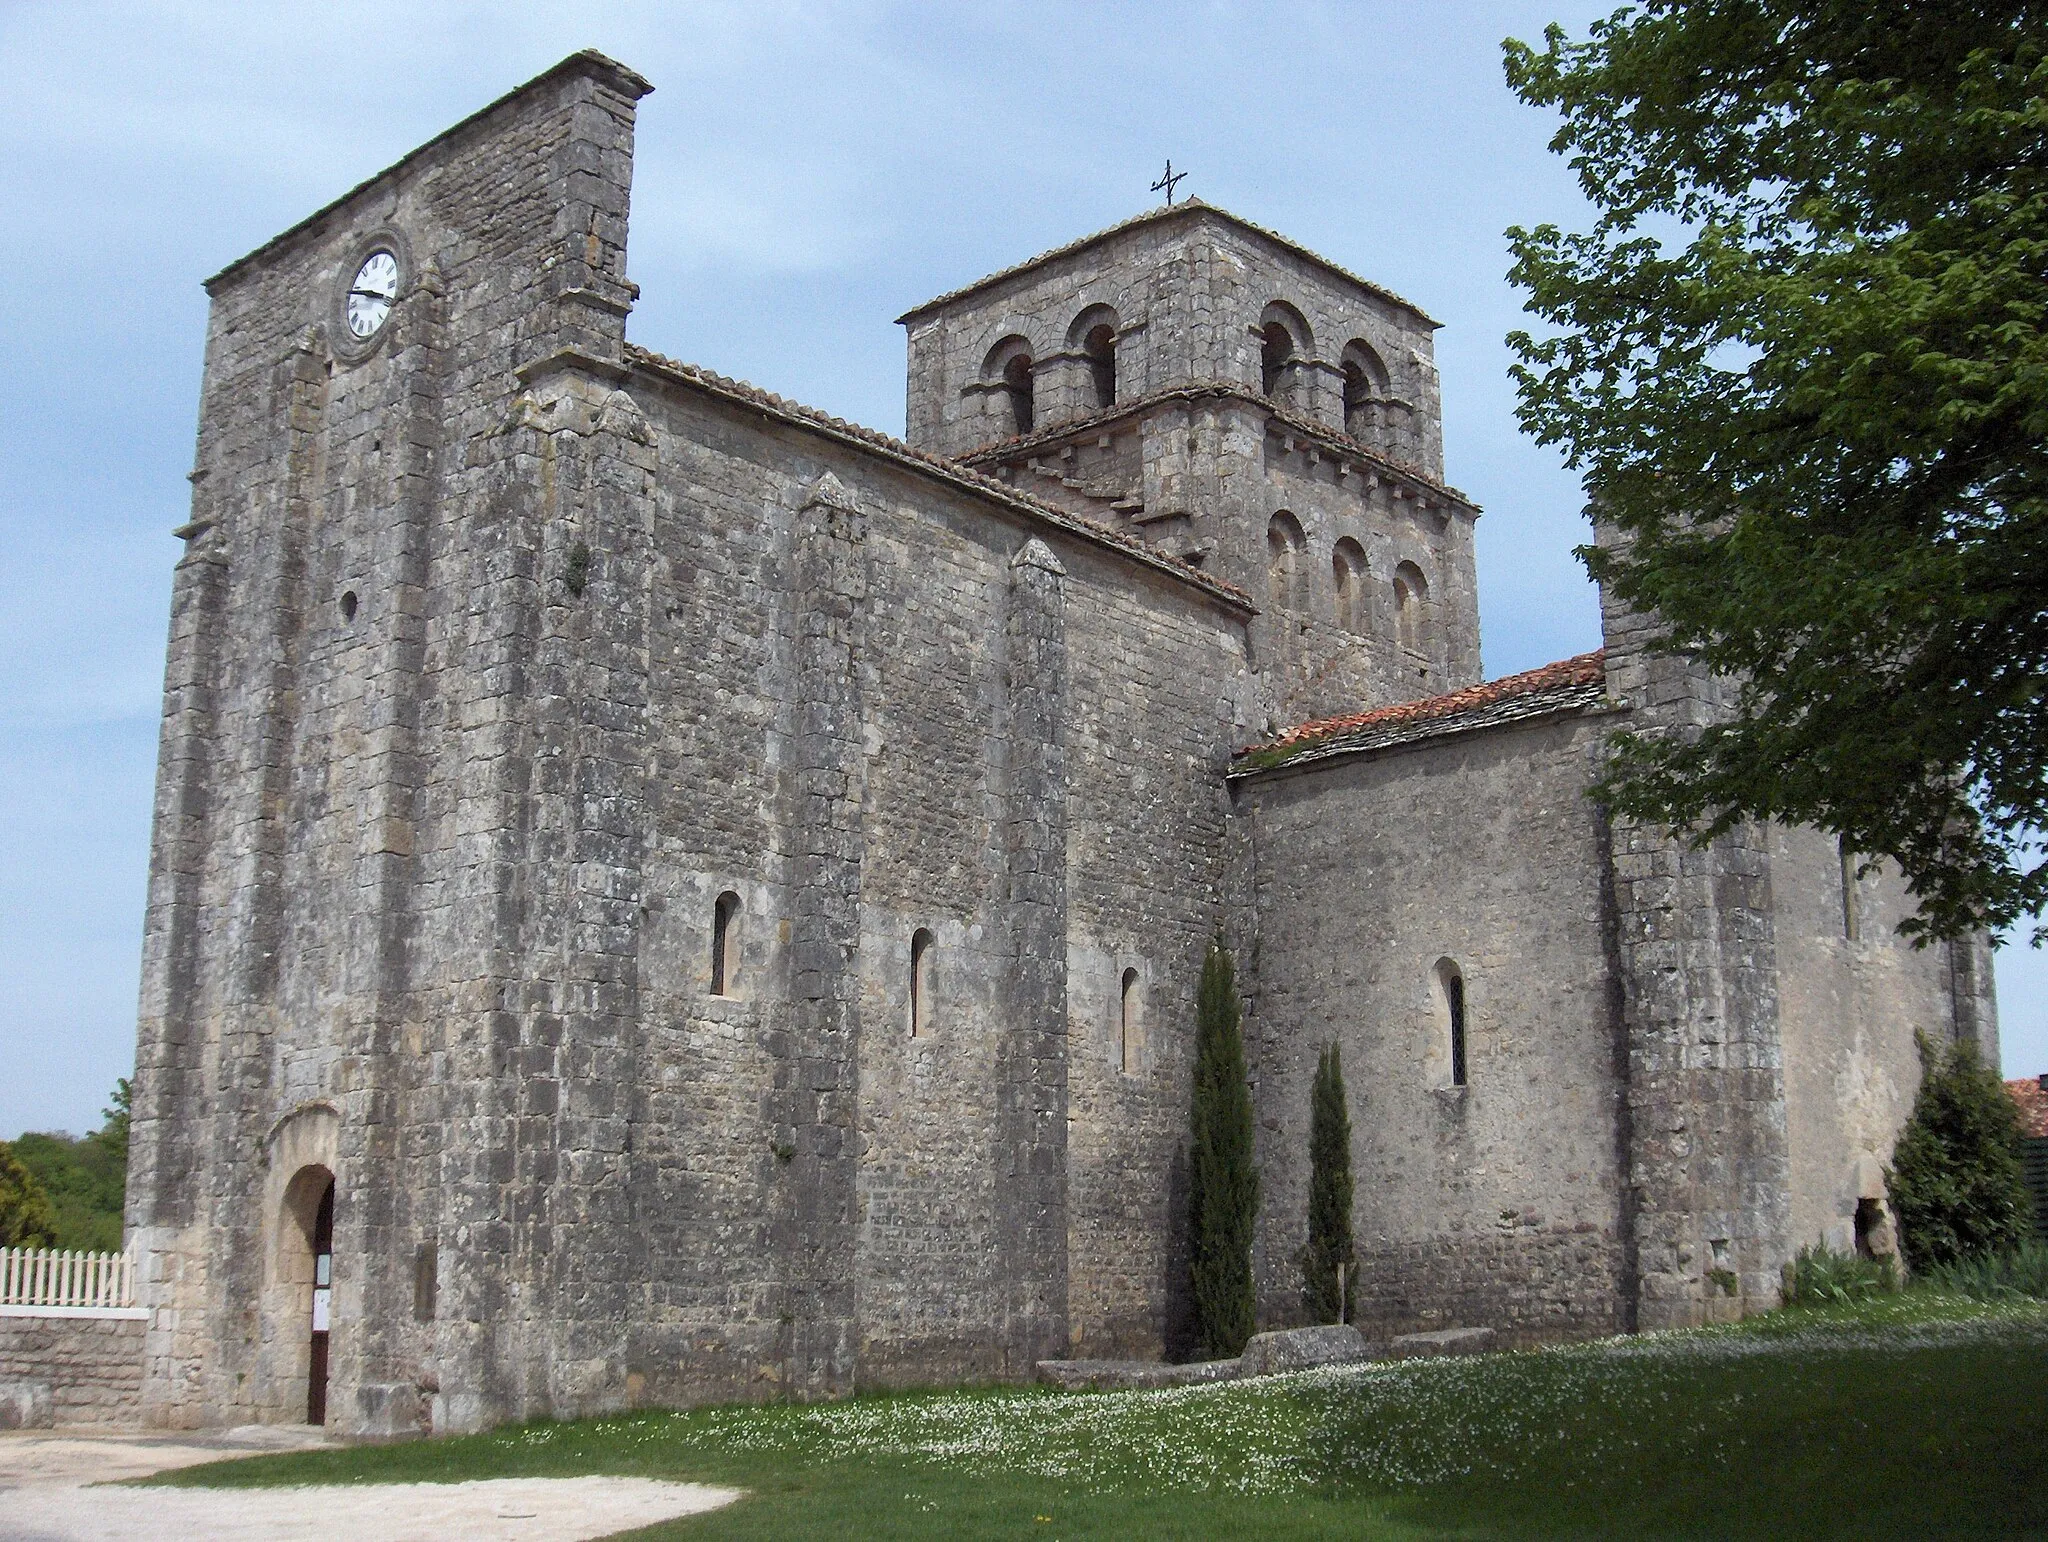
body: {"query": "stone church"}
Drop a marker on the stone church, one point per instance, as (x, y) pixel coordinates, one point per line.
(660, 894)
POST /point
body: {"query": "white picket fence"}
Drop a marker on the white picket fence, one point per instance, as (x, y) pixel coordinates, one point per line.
(50, 1278)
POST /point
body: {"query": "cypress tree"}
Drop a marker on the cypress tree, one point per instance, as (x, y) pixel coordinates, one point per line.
(1329, 1197)
(1223, 1187)
(1957, 1178)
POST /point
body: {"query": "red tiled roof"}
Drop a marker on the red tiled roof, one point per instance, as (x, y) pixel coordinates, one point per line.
(1585, 669)
(2032, 1098)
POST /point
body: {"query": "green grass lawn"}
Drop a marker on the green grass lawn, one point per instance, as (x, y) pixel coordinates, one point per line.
(1911, 1416)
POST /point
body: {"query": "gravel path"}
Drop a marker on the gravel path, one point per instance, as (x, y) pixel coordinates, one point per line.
(51, 1491)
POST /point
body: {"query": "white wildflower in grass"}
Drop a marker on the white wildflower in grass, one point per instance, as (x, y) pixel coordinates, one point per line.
(1387, 1426)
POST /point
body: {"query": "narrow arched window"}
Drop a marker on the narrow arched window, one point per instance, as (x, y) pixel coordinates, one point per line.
(1276, 352)
(921, 957)
(1131, 1035)
(1411, 593)
(1365, 387)
(1017, 376)
(1099, 347)
(1357, 401)
(1347, 576)
(1451, 984)
(725, 945)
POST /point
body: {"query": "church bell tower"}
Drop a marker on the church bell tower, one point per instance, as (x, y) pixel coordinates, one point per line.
(1214, 390)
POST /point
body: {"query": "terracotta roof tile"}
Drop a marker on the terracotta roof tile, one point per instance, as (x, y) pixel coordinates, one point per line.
(1587, 669)
(2032, 1098)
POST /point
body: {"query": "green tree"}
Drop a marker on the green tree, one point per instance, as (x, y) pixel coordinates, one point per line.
(1800, 358)
(25, 1219)
(1329, 1197)
(1957, 1183)
(85, 1181)
(113, 1135)
(1223, 1186)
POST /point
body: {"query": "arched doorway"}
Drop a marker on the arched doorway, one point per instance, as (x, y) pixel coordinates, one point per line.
(297, 1221)
(323, 1296)
(299, 1299)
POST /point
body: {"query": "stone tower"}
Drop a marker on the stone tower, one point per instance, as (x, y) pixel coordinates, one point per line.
(1244, 405)
(331, 974)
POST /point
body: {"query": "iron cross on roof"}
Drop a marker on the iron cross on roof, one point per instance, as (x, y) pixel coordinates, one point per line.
(1167, 181)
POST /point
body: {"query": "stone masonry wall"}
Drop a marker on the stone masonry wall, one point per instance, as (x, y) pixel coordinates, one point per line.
(975, 724)
(1499, 1203)
(1330, 647)
(1709, 1174)
(1853, 994)
(92, 1365)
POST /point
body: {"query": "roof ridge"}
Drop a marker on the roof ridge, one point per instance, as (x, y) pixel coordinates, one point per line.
(1580, 669)
(968, 476)
(1189, 205)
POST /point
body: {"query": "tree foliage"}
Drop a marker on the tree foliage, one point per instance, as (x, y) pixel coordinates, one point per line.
(1223, 1186)
(1957, 1183)
(25, 1218)
(84, 1181)
(1329, 1197)
(1800, 358)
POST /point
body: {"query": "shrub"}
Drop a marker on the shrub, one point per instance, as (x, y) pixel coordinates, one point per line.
(2020, 1271)
(1329, 1197)
(1956, 1180)
(25, 1218)
(1223, 1187)
(1819, 1276)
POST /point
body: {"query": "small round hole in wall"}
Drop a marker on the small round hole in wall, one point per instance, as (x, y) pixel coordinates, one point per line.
(348, 604)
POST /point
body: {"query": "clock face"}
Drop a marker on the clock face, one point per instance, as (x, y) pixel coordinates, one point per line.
(370, 296)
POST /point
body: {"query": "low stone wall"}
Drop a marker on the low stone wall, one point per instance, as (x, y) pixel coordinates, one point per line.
(1530, 1287)
(92, 1366)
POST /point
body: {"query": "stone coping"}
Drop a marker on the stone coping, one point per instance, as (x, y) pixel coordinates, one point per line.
(120, 1313)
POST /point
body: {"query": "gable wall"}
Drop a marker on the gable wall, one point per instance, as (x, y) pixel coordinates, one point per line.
(1496, 1205)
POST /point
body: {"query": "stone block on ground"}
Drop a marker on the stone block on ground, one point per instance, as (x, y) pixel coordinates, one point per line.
(27, 1405)
(1131, 1375)
(1444, 1341)
(1302, 1349)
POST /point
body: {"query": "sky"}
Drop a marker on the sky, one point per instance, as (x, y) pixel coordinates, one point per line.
(804, 173)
